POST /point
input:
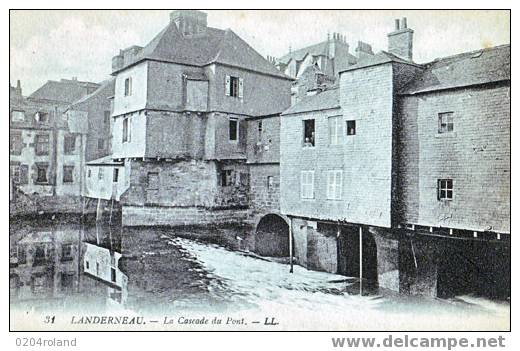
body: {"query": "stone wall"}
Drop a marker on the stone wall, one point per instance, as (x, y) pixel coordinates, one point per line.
(476, 155)
(178, 216)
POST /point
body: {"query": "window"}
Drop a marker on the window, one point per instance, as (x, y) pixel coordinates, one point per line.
(66, 252)
(226, 177)
(15, 173)
(42, 144)
(68, 174)
(351, 127)
(40, 255)
(308, 133)
(67, 281)
(128, 86)
(334, 184)
(89, 173)
(87, 264)
(42, 117)
(113, 274)
(115, 175)
(106, 118)
(242, 179)
(101, 172)
(126, 130)
(445, 122)
(153, 181)
(233, 129)
(101, 144)
(97, 269)
(234, 87)
(270, 182)
(260, 130)
(335, 130)
(41, 175)
(69, 144)
(17, 116)
(307, 184)
(445, 189)
(15, 143)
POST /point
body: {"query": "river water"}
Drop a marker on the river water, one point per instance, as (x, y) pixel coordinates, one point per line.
(66, 275)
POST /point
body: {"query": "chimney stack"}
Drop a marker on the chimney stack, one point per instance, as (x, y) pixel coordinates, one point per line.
(190, 22)
(18, 87)
(400, 41)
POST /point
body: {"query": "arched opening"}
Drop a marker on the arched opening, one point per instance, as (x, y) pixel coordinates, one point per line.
(272, 236)
(348, 254)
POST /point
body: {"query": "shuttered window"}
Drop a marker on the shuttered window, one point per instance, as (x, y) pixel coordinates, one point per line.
(334, 184)
(234, 87)
(307, 185)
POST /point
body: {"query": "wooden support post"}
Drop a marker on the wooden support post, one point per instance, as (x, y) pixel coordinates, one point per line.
(290, 246)
(360, 261)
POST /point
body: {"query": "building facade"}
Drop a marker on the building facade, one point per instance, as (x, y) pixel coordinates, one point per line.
(182, 106)
(396, 160)
(46, 148)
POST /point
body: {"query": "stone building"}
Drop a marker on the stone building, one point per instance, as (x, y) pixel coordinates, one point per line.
(46, 148)
(317, 67)
(398, 159)
(182, 107)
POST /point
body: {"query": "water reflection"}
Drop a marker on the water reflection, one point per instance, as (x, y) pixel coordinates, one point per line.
(86, 268)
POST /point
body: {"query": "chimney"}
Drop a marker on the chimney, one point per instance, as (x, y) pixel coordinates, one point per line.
(400, 41)
(18, 87)
(363, 50)
(189, 22)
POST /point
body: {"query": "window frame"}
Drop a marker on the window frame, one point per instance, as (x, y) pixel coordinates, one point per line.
(38, 144)
(18, 112)
(128, 86)
(41, 167)
(445, 185)
(335, 187)
(349, 128)
(306, 186)
(66, 170)
(68, 140)
(312, 137)
(126, 130)
(237, 129)
(336, 137)
(15, 143)
(445, 120)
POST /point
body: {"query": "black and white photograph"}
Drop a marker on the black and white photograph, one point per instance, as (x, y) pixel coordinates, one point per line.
(259, 170)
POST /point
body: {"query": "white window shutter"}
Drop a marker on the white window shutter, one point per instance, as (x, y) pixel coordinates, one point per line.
(228, 85)
(240, 88)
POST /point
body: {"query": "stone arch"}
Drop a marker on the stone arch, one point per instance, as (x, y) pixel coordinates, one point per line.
(272, 236)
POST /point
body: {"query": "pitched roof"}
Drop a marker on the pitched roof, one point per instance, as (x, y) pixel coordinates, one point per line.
(107, 86)
(378, 59)
(326, 100)
(314, 50)
(201, 49)
(470, 68)
(64, 91)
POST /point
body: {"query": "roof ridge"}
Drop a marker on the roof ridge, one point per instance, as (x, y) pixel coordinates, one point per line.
(439, 59)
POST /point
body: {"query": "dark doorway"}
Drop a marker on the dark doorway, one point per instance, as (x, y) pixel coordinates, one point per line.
(348, 254)
(475, 267)
(272, 237)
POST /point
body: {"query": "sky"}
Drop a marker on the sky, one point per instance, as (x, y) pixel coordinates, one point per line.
(50, 45)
